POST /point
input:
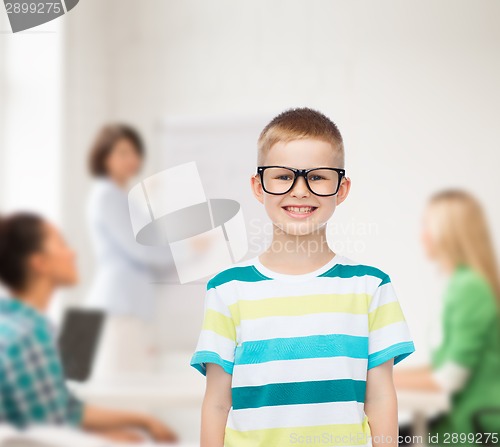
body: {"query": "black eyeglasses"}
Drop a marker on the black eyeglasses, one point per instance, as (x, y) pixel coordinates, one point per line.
(323, 181)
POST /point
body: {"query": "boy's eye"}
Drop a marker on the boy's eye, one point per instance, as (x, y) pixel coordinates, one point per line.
(284, 177)
(316, 177)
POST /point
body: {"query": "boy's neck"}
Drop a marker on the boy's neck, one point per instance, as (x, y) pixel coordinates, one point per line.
(297, 253)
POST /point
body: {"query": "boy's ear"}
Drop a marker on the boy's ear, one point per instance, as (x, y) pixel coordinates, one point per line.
(256, 186)
(344, 189)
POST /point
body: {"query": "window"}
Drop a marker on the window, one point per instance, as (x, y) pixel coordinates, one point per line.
(30, 118)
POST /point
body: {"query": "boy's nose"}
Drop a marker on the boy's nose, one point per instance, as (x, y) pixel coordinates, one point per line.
(300, 186)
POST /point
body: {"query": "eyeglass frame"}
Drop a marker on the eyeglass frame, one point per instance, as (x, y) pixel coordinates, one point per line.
(300, 173)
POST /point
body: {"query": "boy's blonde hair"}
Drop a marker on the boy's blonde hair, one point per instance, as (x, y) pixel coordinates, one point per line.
(297, 124)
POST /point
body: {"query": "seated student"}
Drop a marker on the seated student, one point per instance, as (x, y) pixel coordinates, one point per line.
(34, 261)
(465, 364)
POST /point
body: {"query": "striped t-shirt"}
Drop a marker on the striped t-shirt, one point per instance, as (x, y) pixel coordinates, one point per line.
(299, 348)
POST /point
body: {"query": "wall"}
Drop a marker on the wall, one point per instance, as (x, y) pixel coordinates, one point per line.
(412, 85)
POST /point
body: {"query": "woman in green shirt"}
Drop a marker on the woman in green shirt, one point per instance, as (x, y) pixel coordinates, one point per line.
(466, 364)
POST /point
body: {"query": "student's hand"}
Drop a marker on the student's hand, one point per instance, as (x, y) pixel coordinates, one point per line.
(159, 431)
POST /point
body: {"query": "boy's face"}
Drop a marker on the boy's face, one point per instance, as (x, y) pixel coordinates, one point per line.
(301, 154)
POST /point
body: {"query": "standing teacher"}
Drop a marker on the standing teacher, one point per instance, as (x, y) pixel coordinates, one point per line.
(125, 270)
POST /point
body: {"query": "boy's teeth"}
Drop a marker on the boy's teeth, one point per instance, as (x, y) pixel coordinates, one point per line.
(302, 209)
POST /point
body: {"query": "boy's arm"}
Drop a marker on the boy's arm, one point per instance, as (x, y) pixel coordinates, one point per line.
(216, 405)
(381, 405)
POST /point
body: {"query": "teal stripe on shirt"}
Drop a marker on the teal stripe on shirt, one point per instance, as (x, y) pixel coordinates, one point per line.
(250, 274)
(294, 393)
(398, 350)
(350, 271)
(201, 358)
(294, 348)
(244, 274)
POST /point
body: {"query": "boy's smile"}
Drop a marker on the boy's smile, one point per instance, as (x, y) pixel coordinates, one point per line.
(299, 211)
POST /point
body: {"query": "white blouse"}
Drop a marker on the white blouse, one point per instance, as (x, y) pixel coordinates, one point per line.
(125, 269)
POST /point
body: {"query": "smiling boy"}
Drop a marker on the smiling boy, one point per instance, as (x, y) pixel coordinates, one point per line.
(298, 343)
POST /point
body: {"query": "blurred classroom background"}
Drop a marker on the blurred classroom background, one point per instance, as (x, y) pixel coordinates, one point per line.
(413, 87)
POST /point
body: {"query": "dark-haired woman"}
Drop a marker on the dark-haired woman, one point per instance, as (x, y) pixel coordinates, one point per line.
(125, 270)
(35, 261)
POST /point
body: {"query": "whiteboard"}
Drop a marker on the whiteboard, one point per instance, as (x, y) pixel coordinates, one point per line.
(225, 151)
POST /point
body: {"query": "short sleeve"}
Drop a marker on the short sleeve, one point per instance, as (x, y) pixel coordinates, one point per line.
(470, 316)
(217, 339)
(389, 335)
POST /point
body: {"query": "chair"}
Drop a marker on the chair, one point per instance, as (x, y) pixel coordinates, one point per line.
(479, 425)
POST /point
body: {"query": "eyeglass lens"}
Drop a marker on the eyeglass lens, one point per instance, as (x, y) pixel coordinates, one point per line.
(321, 181)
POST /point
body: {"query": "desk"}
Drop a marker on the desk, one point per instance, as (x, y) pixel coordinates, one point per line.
(177, 383)
(182, 386)
(157, 393)
(176, 396)
(422, 405)
(57, 436)
(152, 392)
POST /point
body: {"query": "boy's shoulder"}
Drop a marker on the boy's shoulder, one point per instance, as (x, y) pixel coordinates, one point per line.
(349, 267)
(242, 271)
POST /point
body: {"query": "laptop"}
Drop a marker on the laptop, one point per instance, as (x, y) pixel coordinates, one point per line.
(78, 341)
